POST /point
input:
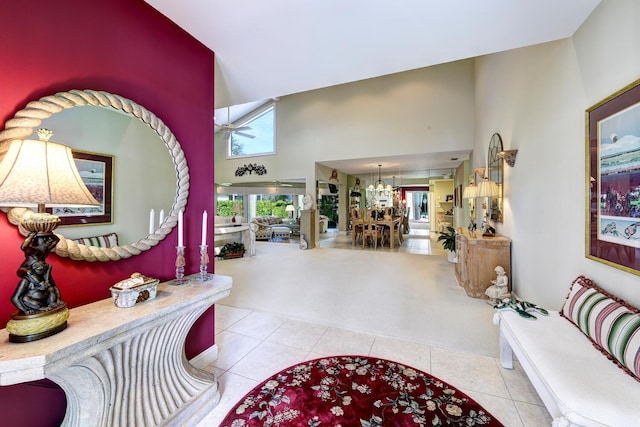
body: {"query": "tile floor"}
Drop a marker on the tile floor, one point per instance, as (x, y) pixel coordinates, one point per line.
(254, 344)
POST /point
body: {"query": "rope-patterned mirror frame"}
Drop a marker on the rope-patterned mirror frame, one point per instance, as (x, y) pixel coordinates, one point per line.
(30, 117)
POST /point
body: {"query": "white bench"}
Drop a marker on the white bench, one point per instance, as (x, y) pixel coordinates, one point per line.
(578, 385)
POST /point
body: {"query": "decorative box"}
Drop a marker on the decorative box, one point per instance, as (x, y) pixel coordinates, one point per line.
(135, 289)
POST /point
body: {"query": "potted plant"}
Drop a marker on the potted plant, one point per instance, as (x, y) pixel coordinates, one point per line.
(232, 250)
(448, 239)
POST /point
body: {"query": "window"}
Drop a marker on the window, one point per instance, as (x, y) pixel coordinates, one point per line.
(259, 140)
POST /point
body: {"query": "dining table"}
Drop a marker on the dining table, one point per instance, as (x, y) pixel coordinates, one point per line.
(394, 228)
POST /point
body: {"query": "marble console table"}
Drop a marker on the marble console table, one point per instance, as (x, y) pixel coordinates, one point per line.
(125, 366)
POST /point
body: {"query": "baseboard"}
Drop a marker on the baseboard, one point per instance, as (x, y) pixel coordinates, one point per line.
(205, 358)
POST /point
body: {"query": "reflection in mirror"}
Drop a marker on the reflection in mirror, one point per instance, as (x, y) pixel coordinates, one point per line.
(143, 172)
(144, 176)
(495, 173)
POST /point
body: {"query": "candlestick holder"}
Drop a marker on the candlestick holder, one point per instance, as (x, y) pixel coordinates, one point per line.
(179, 280)
(204, 261)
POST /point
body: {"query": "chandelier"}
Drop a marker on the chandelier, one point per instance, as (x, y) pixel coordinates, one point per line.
(379, 185)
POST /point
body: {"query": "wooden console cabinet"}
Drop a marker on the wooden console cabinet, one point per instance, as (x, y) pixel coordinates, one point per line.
(477, 259)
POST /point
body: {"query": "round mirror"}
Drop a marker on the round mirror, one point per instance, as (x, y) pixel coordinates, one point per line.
(103, 126)
(495, 173)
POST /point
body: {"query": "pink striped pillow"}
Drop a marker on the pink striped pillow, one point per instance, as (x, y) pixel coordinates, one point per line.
(610, 323)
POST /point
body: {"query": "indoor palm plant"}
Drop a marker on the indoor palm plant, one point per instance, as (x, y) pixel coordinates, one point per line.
(448, 239)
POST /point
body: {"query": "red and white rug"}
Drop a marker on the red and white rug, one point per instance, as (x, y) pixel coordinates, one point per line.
(343, 391)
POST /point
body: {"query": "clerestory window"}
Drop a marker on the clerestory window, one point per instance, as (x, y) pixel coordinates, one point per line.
(255, 135)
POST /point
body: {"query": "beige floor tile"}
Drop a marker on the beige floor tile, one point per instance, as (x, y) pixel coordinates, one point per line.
(413, 354)
(232, 388)
(227, 316)
(519, 385)
(469, 371)
(267, 359)
(343, 342)
(533, 415)
(257, 325)
(232, 347)
(503, 409)
(298, 334)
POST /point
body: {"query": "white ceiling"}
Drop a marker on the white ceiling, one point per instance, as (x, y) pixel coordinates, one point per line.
(268, 49)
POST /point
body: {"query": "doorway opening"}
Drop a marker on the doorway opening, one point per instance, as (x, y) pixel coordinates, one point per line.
(419, 203)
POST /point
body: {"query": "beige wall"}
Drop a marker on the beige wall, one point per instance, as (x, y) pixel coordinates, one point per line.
(536, 99)
(418, 111)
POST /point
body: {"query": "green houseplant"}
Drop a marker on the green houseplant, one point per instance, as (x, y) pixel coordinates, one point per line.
(448, 240)
(232, 250)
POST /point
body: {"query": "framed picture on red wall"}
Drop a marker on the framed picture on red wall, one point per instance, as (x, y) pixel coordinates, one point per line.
(613, 180)
(96, 171)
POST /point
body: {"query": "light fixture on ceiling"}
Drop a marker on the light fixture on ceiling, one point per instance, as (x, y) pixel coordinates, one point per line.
(379, 185)
(39, 174)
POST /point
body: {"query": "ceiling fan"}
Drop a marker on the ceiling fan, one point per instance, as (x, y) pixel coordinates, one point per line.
(282, 184)
(230, 128)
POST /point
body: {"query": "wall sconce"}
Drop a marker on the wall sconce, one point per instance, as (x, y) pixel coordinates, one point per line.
(39, 174)
(509, 156)
(480, 172)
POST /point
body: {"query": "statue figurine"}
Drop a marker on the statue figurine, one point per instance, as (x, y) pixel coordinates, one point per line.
(307, 202)
(488, 227)
(500, 288)
(36, 292)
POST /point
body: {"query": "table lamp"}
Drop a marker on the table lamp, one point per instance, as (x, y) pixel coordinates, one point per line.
(236, 209)
(39, 174)
(290, 209)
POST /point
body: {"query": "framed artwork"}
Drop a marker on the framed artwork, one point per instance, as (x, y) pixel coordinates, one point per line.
(613, 180)
(458, 196)
(96, 171)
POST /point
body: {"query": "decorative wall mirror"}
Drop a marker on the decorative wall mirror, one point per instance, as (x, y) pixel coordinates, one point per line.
(495, 173)
(131, 118)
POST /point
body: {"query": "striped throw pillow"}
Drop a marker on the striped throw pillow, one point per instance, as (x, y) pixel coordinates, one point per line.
(106, 241)
(609, 322)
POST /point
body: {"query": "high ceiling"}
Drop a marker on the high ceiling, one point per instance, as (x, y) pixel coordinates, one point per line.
(268, 49)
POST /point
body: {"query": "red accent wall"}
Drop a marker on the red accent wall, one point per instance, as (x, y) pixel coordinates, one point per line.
(128, 48)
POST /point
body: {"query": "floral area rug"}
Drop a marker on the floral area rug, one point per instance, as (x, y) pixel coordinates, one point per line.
(362, 391)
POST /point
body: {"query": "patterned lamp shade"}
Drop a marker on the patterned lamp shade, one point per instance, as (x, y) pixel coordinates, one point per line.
(40, 173)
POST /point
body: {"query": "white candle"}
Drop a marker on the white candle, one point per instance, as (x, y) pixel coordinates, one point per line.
(180, 241)
(161, 220)
(204, 228)
(152, 220)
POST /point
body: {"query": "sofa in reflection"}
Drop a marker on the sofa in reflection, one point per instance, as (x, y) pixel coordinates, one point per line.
(266, 224)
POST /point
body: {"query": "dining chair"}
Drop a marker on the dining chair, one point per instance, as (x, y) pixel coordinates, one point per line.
(371, 230)
(357, 223)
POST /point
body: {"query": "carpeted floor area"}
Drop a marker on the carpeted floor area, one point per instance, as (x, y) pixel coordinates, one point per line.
(356, 391)
(406, 296)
